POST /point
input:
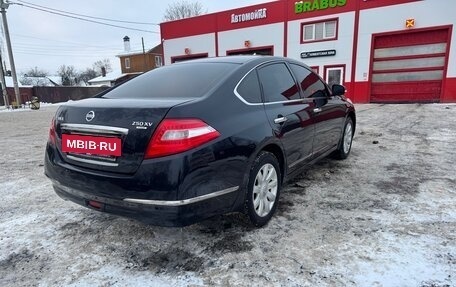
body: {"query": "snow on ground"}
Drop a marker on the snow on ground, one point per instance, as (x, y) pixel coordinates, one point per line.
(26, 107)
(383, 217)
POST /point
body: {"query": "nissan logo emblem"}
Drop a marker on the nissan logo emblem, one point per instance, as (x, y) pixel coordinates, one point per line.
(90, 116)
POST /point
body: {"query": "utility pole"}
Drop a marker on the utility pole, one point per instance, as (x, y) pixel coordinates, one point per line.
(144, 55)
(4, 6)
(2, 79)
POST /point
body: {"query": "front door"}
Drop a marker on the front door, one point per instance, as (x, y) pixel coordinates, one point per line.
(329, 117)
(288, 114)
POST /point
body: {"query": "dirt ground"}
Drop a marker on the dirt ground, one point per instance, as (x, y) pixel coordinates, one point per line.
(383, 217)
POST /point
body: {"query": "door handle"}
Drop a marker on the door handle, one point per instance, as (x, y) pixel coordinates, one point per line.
(317, 110)
(280, 120)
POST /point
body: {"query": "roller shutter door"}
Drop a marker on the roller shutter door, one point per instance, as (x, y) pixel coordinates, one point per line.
(409, 67)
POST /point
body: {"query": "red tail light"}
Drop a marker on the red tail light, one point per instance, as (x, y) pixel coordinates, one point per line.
(51, 139)
(178, 135)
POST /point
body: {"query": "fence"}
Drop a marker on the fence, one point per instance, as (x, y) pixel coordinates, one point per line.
(53, 94)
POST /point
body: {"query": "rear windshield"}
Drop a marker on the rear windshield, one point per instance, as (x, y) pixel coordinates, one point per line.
(187, 80)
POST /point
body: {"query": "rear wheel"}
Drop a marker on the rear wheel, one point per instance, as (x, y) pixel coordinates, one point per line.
(263, 189)
(346, 142)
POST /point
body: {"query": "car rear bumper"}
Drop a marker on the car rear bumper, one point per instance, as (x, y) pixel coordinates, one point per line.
(152, 195)
(155, 212)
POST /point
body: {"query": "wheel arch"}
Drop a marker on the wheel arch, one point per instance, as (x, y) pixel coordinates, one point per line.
(278, 153)
(352, 115)
(272, 146)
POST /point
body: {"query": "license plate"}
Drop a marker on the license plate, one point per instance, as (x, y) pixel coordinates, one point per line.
(92, 145)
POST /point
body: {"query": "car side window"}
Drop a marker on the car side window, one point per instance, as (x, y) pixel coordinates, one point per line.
(278, 83)
(249, 88)
(311, 84)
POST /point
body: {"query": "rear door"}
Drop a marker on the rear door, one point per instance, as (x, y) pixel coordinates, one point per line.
(289, 115)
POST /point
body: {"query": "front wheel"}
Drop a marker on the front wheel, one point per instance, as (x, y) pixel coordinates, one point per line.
(263, 189)
(346, 142)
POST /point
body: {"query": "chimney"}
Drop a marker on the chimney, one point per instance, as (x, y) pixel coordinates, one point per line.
(103, 71)
(126, 40)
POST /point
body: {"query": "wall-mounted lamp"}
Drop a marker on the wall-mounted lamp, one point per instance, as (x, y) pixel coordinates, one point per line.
(409, 23)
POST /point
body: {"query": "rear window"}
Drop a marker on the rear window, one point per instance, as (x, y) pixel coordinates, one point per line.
(189, 80)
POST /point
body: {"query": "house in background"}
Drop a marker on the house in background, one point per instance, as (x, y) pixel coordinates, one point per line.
(47, 81)
(10, 84)
(111, 79)
(132, 63)
(140, 61)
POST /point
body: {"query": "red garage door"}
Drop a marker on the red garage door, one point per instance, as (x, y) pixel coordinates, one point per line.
(409, 67)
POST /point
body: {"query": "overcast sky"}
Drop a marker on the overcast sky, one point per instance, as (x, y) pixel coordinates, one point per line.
(47, 41)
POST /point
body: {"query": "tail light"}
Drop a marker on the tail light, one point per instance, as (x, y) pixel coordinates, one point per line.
(51, 139)
(178, 135)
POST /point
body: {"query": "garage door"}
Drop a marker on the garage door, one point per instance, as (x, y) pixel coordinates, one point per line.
(409, 67)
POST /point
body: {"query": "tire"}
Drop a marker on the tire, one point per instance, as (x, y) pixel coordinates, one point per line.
(263, 189)
(346, 141)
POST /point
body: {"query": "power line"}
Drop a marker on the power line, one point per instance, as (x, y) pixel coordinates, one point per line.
(87, 16)
(82, 19)
(50, 48)
(23, 47)
(61, 46)
(69, 52)
(60, 41)
(92, 55)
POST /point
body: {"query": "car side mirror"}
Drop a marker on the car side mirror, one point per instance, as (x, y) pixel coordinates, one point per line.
(338, 90)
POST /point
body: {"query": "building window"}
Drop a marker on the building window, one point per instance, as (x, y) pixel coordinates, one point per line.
(319, 31)
(334, 75)
(182, 58)
(158, 61)
(127, 63)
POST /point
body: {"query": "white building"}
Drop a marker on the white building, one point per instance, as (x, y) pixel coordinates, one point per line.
(381, 50)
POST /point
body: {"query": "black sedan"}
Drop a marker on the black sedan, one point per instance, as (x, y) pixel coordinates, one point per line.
(196, 139)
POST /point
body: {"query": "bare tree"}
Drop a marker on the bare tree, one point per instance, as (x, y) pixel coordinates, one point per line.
(106, 63)
(87, 75)
(183, 9)
(36, 72)
(34, 77)
(68, 75)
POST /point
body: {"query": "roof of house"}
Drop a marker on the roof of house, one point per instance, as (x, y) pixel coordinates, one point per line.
(130, 53)
(110, 77)
(140, 52)
(26, 81)
(9, 82)
(57, 80)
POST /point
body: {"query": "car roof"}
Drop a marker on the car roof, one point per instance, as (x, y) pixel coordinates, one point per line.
(241, 59)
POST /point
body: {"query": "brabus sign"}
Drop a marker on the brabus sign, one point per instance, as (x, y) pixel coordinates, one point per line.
(92, 145)
(315, 5)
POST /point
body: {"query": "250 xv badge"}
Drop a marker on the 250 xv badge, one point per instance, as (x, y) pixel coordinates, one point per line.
(142, 125)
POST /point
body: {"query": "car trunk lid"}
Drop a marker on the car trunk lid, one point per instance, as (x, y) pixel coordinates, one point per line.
(109, 134)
